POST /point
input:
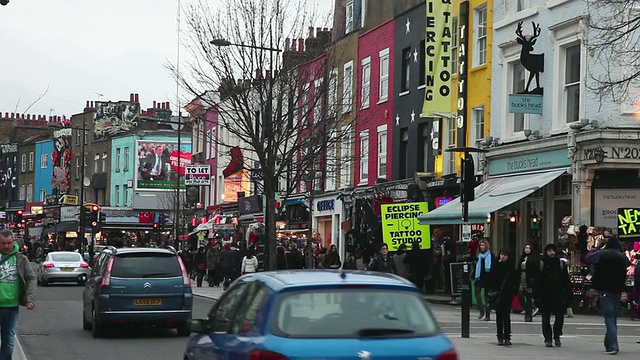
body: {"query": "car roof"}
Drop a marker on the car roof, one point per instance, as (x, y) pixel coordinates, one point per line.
(134, 250)
(294, 279)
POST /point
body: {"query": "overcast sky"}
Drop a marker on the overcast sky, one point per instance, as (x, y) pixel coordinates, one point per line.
(87, 50)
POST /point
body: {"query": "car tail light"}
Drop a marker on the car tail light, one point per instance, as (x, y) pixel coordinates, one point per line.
(47, 265)
(106, 278)
(186, 282)
(84, 265)
(265, 355)
(449, 355)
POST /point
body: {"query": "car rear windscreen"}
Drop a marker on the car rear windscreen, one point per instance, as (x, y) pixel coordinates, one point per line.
(322, 313)
(146, 265)
(65, 257)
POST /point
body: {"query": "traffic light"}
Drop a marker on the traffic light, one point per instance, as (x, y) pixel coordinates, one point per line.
(102, 217)
(468, 182)
(94, 215)
(155, 226)
(18, 216)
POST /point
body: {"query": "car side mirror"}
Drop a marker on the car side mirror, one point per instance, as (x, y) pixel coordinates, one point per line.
(198, 326)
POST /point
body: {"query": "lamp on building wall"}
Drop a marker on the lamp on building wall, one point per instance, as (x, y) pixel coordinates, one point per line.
(513, 217)
(598, 155)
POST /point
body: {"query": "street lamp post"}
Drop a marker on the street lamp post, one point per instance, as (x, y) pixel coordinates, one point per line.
(266, 128)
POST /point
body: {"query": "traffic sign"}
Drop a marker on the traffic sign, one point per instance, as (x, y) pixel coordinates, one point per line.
(199, 175)
(466, 232)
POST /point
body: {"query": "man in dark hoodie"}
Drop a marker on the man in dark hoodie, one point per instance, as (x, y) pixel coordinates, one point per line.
(17, 287)
(609, 279)
(553, 289)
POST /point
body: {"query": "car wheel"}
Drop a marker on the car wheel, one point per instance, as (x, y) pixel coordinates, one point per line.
(97, 329)
(86, 324)
(183, 330)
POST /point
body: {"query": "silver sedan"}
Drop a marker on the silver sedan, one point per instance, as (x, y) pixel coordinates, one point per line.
(63, 266)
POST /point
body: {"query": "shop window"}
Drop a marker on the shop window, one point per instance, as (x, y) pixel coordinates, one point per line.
(563, 186)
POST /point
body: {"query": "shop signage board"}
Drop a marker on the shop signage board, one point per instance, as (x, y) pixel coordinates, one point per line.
(198, 175)
(70, 200)
(525, 104)
(466, 232)
(69, 213)
(628, 223)
(606, 203)
(400, 225)
(530, 162)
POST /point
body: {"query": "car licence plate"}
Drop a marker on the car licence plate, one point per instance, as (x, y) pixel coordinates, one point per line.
(67, 269)
(151, 301)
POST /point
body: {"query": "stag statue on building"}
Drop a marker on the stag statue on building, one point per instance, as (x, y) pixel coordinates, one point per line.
(534, 63)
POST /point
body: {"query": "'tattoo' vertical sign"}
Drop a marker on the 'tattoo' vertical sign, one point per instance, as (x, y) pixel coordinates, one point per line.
(198, 175)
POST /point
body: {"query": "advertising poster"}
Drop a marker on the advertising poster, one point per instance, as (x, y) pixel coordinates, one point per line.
(606, 203)
(159, 164)
(628, 223)
(439, 36)
(61, 160)
(237, 182)
(400, 225)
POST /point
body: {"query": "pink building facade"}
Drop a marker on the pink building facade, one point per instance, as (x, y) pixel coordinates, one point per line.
(374, 122)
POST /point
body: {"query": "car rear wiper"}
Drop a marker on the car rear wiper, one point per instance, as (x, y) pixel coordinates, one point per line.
(373, 332)
(159, 274)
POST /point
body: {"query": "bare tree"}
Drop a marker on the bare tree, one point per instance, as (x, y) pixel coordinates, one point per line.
(277, 93)
(613, 44)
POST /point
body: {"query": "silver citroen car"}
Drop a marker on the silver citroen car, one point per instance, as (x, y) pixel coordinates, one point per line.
(63, 266)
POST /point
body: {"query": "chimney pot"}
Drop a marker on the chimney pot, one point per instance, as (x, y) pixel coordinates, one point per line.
(154, 104)
(258, 74)
(137, 98)
(310, 32)
(318, 32)
(132, 97)
(287, 43)
(300, 44)
(168, 105)
(87, 104)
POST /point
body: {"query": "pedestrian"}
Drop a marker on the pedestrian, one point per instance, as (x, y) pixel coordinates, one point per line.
(482, 275)
(227, 264)
(503, 285)
(323, 253)
(213, 258)
(418, 265)
(398, 261)
(200, 261)
(332, 258)
(249, 264)
(294, 257)
(382, 261)
(553, 290)
(17, 287)
(281, 259)
(610, 265)
(528, 268)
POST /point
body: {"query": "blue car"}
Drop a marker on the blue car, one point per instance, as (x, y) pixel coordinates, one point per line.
(307, 314)
(137, 286)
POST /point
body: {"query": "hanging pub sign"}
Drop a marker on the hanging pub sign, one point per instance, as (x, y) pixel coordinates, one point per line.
(528, 101)
(628, 223)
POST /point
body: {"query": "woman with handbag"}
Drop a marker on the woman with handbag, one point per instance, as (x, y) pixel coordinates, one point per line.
(481, 278)
(504, 282)
(201, 265)
(528, 266)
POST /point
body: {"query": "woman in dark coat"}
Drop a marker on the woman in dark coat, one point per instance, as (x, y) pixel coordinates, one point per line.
(528, 267)
(504, 281)
(281, 259)
(332, 259)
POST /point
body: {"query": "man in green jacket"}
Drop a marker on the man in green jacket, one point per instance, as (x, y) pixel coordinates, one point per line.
(17, 287)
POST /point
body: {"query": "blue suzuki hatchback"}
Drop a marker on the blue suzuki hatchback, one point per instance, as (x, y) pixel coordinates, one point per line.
(316, 314)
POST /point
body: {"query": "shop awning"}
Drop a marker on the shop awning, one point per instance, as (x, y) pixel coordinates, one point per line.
(494, 194)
